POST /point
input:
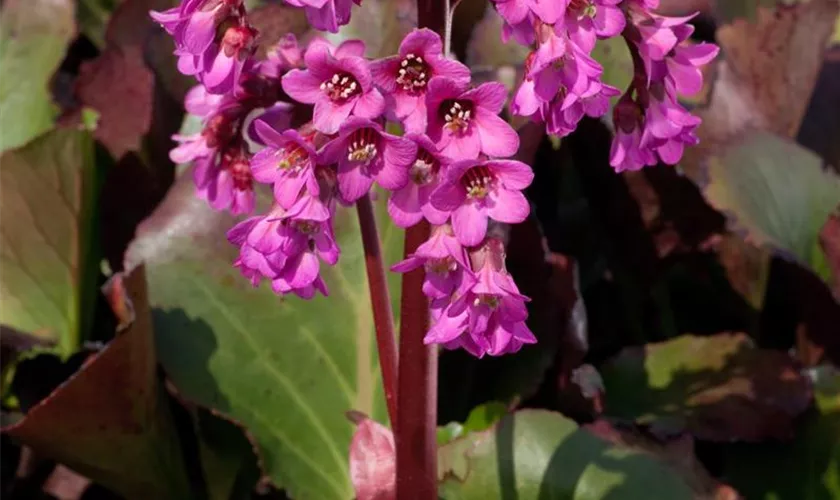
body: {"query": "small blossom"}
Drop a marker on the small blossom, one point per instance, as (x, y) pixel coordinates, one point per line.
(474, 190)
(225, 182)
(628, 151)
(325, 15)
(444, 261)
(409, 204)
(587, 20)
(404, 77)
(287, 162)
(489, 315)
(286, 54)
(464, 122)
(337, 84)
(364, 153)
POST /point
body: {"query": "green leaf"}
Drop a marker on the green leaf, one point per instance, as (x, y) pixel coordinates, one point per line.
(227, 458)
(286, 369)
(382, 24)
(720, 387)
(93, 16)
(110, 420)
(810, 463)
(481, 418)
(614, 56)
(536, 454)
(33, 38)
(778, 193)
(47, 201)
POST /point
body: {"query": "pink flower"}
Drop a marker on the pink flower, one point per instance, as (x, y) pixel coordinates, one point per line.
(365, 153)
(404, 77)
(225, 182)
(287, 162)
(409, 204)
(474, 190)
(464, 122)
(286, 246)
(488, 317)
(325, 15)
(337, 83)
(587, 20)
(279, 117)
(286, 54)
(444, 260)
(567, 109)
(629, 151)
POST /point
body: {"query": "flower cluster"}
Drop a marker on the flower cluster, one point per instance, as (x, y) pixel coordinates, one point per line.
(449, 167)
(321, 122)
(563, 82)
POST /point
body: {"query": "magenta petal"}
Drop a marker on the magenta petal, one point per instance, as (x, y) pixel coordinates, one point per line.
(199, 32)
(384, 73)
(469, 222)
(352, 183)
(508, 206)
(404, 206)
(302, 86)
(328, 116)
(514, 174)
(497, 137)
(448, 197)
(451, 69)
(490, 96)
(369, 105)
(350, 48)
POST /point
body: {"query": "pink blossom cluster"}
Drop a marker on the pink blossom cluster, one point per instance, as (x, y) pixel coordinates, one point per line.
(563, 82)
(450, 167)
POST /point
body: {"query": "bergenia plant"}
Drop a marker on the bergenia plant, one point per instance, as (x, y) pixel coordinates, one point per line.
(323, 131)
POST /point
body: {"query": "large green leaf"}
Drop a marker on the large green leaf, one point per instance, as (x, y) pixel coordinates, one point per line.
(33, 38)
(810, 463)
(720, 387)
(110, 421)
(287, 369)
(778, 192)
(536, 454)
(47, 197)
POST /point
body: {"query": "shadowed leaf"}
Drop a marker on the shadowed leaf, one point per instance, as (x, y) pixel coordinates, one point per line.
(110, 421)
(118, 86)
(33, 38)
(535, 454)
(720, 388)
(830, 243)
(47, 195)
(778, 193)
(286, 369)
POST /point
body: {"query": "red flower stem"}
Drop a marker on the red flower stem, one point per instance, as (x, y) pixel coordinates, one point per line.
(383, 319)
(417, 406)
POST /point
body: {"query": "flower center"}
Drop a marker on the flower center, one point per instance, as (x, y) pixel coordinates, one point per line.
(413, 73)
(490, 301)
(306, 227)
(441, 266)
(362, 146)
(478, 181)
(237, 38)
(293, 158)
(425, 168)
(241, 174)
(341, 86)
(457, 115)
(584, 8)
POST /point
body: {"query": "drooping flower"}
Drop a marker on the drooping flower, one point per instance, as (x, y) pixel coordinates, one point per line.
(408, 205)
(473, 191)
(337, 83)
(444, 260)
(464, 122)
(325, 15)
(225, 182)
(364, 153)
(587, 20)
(287, 162)
(567, 109)
(628, 151)
(488, 316)
(404, 78)
(286, 54)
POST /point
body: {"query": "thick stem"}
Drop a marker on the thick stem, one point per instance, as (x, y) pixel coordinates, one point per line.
(417, 408)
(381, 301)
